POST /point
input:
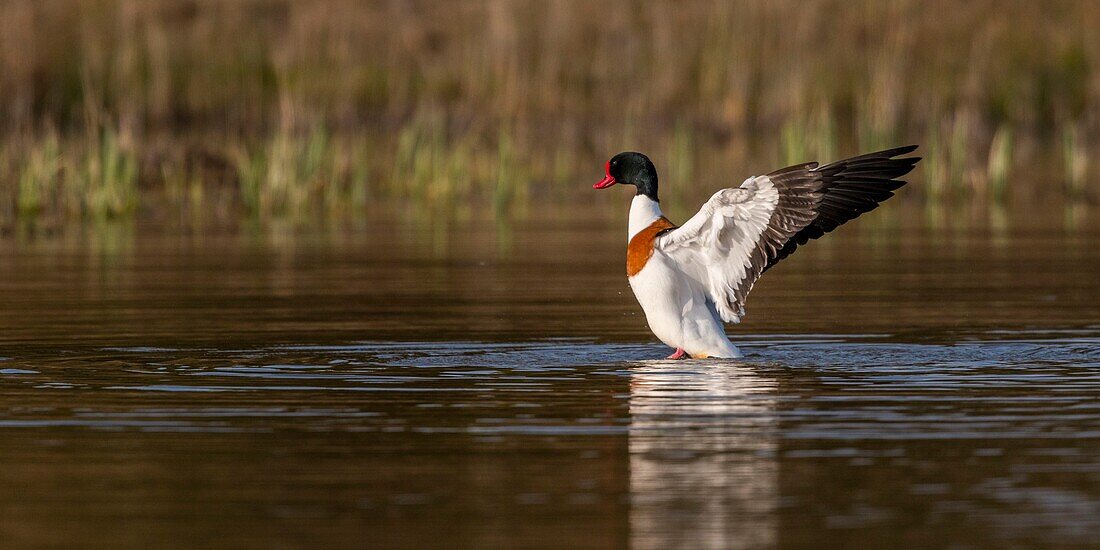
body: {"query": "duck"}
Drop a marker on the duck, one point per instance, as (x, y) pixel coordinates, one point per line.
(693, 278)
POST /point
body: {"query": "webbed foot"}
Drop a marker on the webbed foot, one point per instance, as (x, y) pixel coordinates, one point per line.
(679, 354)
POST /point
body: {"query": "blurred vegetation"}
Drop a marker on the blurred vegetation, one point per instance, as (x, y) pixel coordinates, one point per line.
(281, 108)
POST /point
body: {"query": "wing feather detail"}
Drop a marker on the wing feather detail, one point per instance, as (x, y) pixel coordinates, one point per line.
(741, 232)
(851, 187)
(727, 245)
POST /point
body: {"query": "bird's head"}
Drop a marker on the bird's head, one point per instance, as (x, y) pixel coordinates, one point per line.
(630, 169)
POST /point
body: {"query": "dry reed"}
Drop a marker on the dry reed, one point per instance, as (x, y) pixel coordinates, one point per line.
(311, 106)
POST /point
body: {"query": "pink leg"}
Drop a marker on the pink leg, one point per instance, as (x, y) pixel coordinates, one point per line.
(679, 354)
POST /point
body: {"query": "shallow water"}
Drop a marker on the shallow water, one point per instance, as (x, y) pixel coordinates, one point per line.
(906, 382)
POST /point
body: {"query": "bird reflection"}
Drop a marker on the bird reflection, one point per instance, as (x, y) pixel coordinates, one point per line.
(703, 472)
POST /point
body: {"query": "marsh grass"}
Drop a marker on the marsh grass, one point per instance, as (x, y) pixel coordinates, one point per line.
(39, 179)
(812, 136)
(296, 174)
(1001, 159)
(680, 160)
(1075, 160)
(92, 178)
(430, 166)
(104, 177)
(313, 108)
(511, 179)
(183, 190)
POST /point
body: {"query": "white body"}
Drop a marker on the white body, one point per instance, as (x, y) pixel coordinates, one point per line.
(675, 304)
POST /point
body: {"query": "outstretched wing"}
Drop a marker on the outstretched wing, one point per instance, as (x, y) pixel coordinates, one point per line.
(739, 233)
(727, 245)
(851, 187)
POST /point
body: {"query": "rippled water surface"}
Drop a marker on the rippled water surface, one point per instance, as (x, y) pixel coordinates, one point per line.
(907, 381)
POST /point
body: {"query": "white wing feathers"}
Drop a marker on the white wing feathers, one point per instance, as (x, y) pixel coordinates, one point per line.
(726, 246)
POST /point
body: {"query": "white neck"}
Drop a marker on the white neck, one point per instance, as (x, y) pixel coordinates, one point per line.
(643, 212)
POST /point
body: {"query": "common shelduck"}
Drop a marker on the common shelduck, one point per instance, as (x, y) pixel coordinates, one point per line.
(689, 279)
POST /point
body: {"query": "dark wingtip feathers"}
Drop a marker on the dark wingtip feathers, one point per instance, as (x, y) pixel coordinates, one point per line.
(850, 187)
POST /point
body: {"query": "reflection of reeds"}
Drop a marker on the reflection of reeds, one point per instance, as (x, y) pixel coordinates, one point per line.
(302, 104)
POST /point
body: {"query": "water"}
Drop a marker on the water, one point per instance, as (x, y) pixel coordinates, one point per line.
(906, 382)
